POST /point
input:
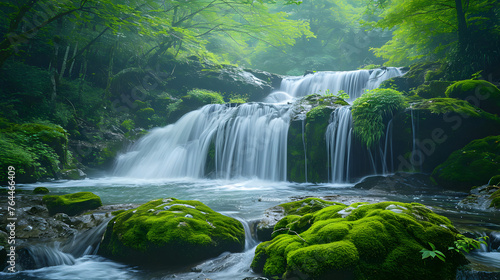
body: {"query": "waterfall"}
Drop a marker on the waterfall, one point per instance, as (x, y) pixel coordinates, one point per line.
(352, 82)
(247, 141)
(338, 144)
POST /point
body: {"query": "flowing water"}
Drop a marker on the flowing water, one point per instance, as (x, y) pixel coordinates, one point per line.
(233, 159)
(245, 200)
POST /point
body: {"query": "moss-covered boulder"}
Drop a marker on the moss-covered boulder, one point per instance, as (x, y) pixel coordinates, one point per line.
(433, 89)
(470, 166)
(72, 204)
(274, 214)
(168, 231)
(479, 93)
(40, 190)
(426, 134)
(417, 75)
(361, 241)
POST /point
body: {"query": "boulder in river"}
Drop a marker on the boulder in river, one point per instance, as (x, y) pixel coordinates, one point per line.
(168, 231)
(72, 204)
(361, 241)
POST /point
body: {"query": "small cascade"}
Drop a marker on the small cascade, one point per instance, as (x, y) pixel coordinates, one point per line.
(244, 141)
(43, 256)
(82, 244)
(86, 243)
(338, 144)
(250, 241)
(352, 82)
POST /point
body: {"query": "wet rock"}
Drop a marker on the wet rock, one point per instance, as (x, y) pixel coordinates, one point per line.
(401, 183)
(481, 198)
(73, 174)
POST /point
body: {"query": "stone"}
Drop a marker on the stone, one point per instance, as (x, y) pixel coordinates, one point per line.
(168, 236)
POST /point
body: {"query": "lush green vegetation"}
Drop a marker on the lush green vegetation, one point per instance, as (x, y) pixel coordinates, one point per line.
(371, 111)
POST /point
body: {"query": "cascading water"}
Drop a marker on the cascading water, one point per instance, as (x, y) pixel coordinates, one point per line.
(244, 141)
(338, 144)
(247, 141)
(351, 82)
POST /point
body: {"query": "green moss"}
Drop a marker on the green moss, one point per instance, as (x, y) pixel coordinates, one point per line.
(433, 89)
(71, 204)
(372, 241)
(171, 231)
(204, 96)
(450, 105)
(495, 199)
(472, 165)
(40, 190)
(494, 181)
(479, 93)
(305, 206)
(370, 111)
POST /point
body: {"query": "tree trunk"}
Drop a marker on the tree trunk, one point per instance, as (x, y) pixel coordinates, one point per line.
(463, 32)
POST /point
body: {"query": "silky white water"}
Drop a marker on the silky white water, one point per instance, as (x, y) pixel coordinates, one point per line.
(338, 144)
(246, 141)
(351, 82)
(249, 140)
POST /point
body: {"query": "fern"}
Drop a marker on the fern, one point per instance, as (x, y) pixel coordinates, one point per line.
(370, 110)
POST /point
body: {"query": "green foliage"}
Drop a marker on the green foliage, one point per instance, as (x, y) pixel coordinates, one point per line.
(128, 124)
(203, 96)
(35, 149)
(466, 244)
(71, 204)
(433, 253)
(423, 26)
(371, 109)
(238, 98)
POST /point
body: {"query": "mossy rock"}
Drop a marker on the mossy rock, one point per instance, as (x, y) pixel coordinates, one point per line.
(416, 76)
(40, 190)
(494, 181)
(470, 166)
(495, 199)
(168, 231)
(72, 204)
(479, 93)
(433, 89)
(361, 241)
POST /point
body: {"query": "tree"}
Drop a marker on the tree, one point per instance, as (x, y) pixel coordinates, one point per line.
(427, 28)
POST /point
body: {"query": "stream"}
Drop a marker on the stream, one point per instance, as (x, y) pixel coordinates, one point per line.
(245, 200)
